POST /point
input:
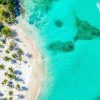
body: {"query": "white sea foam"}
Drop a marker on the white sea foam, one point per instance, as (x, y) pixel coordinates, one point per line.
(98, 5)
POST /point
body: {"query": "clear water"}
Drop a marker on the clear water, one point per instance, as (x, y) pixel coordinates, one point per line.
(72, 75)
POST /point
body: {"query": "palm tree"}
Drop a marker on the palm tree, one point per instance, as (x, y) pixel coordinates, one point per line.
(18, 86)
(6, 32)
(7, 58)
(11, 76)
(10, 98)
(6, 73)
(5, 98)
(20, 51)
(14, 55)
(4, 82)
(2, 67)
(20, 58)
(11, 69)
(7, 51)
(4, 41)
(11, 92)
(11, 47)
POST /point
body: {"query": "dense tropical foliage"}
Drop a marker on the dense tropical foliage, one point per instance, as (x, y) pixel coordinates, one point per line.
(9, 10)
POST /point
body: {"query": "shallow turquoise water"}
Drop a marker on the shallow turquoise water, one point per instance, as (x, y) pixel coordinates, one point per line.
(72, 75)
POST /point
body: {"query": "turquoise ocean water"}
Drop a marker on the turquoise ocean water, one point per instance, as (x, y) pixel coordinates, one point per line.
(73, 75)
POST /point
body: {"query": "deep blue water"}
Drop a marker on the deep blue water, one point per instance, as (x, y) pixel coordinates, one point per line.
(72, 75)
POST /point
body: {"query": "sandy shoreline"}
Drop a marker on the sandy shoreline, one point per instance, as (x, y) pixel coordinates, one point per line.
(37, 73)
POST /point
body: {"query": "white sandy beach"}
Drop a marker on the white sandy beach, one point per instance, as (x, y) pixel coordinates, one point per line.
(33, 72)
(37, 72)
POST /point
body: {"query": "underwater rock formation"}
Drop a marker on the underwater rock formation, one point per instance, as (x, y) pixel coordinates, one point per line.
(44, 5)
(85, 30)
(58, 23)
(83, 35)
(97, 97)
(61, 46)
(41, 9)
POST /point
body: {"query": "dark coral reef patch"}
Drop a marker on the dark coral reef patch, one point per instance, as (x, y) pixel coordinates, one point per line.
(58, 23)
(43, 5)
(85, 31)
(97, 97)
(61, 46)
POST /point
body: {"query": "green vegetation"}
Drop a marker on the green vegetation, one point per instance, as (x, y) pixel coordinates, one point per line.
(20, 58)
(1, 45)
(7, 32)
(11, 92)
(11, 69)
(11, 76)
(7, 58)
(6, 73)
(8, 16)
(20, 51)
(4, 41)
(17, 86)
(1, 25)
(7, 51)
(10, 98)
(11, 47)
(5, 98)
(4, 82)
(3, 11)
(7, 11)
(14, 55)
(1, 1)
(10, 5)
(2, 67)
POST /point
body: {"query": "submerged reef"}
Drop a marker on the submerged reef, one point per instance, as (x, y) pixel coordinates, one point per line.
(85, 31)
(97, 97)
(83, 35)
(41, 9)
(61, 46)
(44, 5)
(58, 23)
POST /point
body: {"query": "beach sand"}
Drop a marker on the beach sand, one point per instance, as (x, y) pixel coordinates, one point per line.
(37, 73)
